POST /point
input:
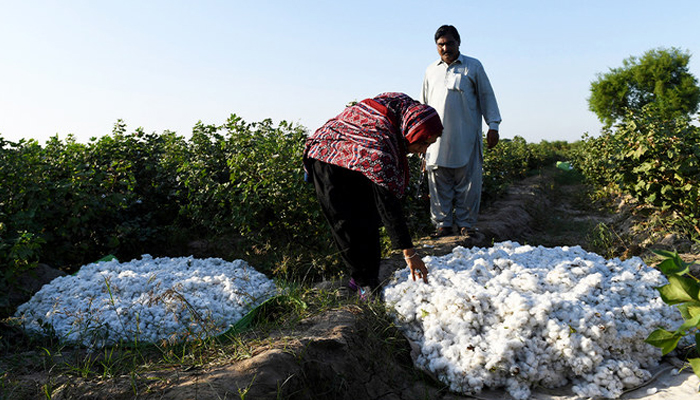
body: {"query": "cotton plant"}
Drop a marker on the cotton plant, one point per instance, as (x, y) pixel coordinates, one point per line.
(515, 317)
(149, 300)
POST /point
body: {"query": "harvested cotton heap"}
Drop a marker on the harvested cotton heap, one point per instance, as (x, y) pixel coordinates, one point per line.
(148, 300)
(515, 317)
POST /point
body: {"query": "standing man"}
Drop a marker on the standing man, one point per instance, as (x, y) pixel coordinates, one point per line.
(458, 88)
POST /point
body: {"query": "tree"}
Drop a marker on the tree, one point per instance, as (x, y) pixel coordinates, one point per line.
(660, 76)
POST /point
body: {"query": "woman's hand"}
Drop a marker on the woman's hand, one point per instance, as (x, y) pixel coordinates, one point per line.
(415, 264)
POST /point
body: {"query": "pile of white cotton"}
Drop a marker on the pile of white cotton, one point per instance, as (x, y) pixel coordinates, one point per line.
(149, 300)
(515, 317)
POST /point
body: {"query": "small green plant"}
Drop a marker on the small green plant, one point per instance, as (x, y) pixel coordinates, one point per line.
(604, 240)
(683, 290)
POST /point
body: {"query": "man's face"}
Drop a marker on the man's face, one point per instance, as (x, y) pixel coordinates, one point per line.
(448, 48)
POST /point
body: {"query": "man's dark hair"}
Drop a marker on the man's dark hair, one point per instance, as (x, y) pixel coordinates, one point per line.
(447, 30)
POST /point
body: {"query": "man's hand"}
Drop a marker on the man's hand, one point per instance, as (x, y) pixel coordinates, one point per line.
(491, 138)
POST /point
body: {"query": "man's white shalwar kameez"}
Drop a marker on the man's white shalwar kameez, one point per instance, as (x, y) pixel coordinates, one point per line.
(462, 95)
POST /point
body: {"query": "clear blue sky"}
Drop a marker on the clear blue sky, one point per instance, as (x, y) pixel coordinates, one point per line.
(78, 66)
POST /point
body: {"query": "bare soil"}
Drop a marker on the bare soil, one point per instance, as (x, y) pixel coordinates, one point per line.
(340, 354)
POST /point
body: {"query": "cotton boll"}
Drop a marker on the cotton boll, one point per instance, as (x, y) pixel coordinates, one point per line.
(502, 263)
(519, 390)
(438, 364)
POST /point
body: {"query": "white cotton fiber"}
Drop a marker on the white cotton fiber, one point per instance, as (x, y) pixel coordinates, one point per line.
(515, 317)
(148, 300)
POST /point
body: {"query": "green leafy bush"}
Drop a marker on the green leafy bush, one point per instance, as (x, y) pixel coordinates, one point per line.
(247, 180)
(68, 204)
(654, 159)
(683, 291)
(508, 161)
(21, 201)
(594, 158)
